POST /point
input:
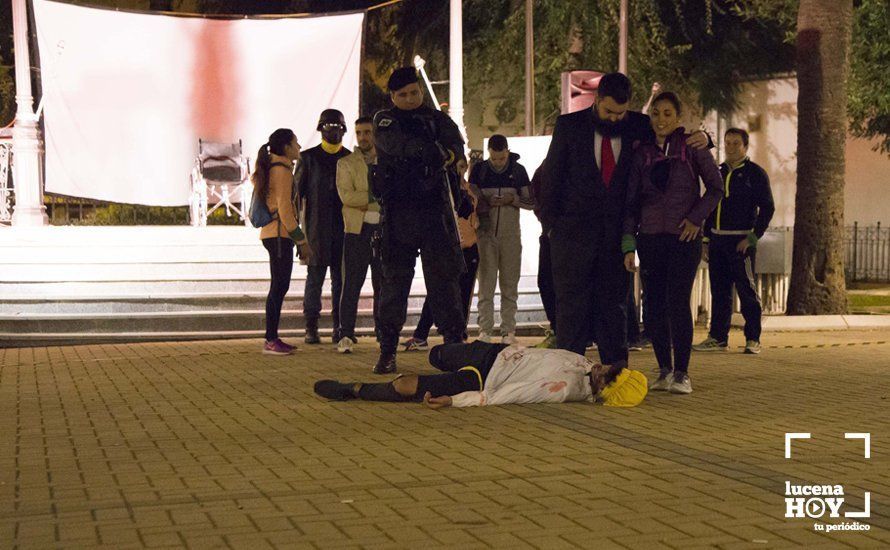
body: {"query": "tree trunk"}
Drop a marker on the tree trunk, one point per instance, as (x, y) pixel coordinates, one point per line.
(823, 45)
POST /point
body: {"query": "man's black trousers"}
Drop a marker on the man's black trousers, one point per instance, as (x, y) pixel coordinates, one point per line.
(407, 232)
(357, 257)
(545, 281)
(315, 275)
(588, 277)
(728, 267)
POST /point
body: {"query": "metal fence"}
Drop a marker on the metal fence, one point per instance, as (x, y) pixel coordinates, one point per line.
(867, 253)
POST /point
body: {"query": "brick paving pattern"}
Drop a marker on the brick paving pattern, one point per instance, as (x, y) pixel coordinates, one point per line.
(212, 445)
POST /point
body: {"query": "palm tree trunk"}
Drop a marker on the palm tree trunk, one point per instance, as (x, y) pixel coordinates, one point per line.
(823, 45)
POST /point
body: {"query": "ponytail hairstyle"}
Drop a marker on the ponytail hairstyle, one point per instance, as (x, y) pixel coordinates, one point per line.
(279, 139)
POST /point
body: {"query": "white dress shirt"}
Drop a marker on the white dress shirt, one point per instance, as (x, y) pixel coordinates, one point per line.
(598, 148)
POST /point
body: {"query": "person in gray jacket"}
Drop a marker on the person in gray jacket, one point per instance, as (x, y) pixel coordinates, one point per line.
(502, 185)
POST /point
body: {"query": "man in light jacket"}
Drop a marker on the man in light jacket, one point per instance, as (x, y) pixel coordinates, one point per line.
(480, 373)
(361, 220)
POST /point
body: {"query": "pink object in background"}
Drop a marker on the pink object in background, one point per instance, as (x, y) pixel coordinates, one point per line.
(578, 90)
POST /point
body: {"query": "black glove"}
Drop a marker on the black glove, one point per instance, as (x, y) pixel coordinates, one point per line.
(464, 206)
(434, 156)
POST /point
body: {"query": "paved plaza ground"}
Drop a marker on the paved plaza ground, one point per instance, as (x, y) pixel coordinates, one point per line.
(212, 445)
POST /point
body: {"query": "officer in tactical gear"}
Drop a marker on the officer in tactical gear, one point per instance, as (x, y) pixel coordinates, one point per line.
(416, 183)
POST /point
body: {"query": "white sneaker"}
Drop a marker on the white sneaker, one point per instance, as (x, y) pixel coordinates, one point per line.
(681, 384)
(663, 383)
(509, 339)
(484, 337)
(752, 346)
(344, 345)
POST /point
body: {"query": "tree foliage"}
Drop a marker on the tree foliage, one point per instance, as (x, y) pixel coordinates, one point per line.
(869, 85)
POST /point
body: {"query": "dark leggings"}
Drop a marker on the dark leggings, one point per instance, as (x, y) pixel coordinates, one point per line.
(467, 284)
(281, 265)
(668, 267)
(454, 359)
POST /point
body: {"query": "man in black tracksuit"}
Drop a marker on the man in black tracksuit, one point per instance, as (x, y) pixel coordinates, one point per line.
(731, 234)
(415, 183)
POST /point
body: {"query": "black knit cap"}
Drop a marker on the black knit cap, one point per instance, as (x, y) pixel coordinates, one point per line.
(331, 116)
(401, 78)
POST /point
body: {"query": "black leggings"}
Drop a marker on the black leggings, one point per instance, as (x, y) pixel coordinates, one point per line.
(454, 359)
(281, 265)
(668, 267)
(466, 368)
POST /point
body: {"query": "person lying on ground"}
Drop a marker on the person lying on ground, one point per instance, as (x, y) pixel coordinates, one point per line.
(481, 373)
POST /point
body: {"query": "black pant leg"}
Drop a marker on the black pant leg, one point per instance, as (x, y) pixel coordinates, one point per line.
(397, 279)
(449, 383)
(425, 323)
(743, 277)
(315, 275)
(336, 280)
(468, 279)
(654, 272)
(453, 357)
(720, 275)
(610, 297)
(573, 258)
(356, 258)
(682, 268)
(376, 276)
(545, 280)
(633, 318)
(280, 270)
(442, 263)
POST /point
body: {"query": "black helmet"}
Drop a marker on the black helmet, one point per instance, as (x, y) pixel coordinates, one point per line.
(331, 116)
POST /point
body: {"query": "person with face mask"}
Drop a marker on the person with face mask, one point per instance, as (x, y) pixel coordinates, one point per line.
(582, 204)
(361, 220)
(417, 185)
(323, 220)
(664, 214)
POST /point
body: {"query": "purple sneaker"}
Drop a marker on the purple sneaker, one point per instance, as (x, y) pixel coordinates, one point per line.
(277, 347)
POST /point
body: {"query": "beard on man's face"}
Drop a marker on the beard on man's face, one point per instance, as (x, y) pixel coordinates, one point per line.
(607, 127)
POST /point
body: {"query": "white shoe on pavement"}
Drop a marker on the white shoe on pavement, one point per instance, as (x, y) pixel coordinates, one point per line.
(681, 384)
(509, 339)
(345, 345)
(484, 337)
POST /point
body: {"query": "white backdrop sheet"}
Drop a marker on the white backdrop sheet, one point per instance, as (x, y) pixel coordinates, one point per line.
(128, 95)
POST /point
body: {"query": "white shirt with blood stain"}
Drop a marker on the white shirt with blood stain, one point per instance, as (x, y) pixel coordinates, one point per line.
(531, 375)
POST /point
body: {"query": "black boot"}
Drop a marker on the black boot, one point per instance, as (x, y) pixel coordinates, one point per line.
(386, 364)
(312, 332)
(331, 389)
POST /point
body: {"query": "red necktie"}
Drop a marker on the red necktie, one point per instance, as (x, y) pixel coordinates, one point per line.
(607, 161)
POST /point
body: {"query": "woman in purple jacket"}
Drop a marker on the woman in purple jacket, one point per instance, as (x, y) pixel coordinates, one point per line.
(663, 218)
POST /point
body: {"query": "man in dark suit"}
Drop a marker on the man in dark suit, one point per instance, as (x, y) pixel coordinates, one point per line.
(582, 201)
